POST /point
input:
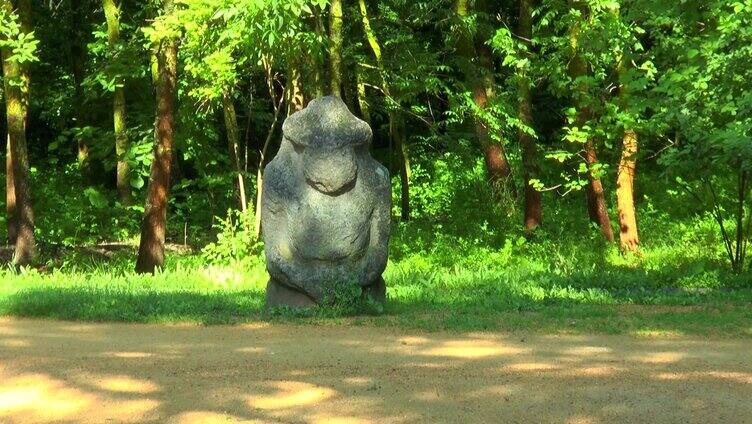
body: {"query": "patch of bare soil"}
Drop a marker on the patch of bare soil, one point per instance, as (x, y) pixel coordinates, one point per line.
(72, 372)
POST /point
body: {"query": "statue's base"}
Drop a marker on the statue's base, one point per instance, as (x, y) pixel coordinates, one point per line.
(281, 295)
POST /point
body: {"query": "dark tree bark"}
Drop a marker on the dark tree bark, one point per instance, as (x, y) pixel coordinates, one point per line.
(153, 227)
(335, 47)
(365, 110)
(317, 62)
(533, 204)
(596, 198)
(78, 60)
(231, 127)
(480, 77)
(112, 14)
(16, 85)
(294, 90)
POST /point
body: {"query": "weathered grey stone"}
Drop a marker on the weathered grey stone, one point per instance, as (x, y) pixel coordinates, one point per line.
(325, 208)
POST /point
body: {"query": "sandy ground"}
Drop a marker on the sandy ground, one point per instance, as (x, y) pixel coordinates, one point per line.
(71, 372)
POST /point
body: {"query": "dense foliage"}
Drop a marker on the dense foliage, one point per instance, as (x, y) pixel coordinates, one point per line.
(523, 138)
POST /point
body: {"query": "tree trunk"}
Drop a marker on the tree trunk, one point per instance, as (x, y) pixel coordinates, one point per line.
(295, 99)
(10, 194)
(16, 84)
(596, 198)
(365, 111)
(480, 77)
(317, 60)
(335, 48)
(396, 130)
(153, 227)
(628, 235)
(533, 204)
(112, 14)
(78, 59)
(231, 127)
(277, 104)
(629, 239)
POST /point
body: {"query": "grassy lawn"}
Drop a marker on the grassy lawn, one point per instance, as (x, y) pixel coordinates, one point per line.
(495, 289)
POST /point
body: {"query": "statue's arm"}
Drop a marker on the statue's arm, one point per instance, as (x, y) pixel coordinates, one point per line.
(276, 202)
(381, 224)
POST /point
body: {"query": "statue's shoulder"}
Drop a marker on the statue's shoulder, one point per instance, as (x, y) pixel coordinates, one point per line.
(278, 172)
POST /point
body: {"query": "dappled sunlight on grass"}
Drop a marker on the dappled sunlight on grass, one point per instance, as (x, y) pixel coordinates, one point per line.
(232, 278)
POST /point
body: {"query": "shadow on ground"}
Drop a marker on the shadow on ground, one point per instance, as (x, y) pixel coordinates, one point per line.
(70, 372)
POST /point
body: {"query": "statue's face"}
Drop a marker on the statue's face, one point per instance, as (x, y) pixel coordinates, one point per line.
(332, 170)
(328, 140)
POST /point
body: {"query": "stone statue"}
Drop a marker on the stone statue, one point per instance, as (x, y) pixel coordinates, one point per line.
(325, 208)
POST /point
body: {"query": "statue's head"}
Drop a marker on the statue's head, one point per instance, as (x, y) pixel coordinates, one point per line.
(328, 138)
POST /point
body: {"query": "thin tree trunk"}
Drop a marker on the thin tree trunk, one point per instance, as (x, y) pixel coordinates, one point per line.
(277, 105)
(596, 198)
(260, 172)
(628, 236)
(335, 48)
(153, 227)
(112, 14)
(480, 77)
(318, 62)
(396, 130)
(365, 111)
(231, 127)
(10, 194)
(629, 239)
(15, 79)
(78, 59)
(497, 164)
(295, 98)
(533, 204)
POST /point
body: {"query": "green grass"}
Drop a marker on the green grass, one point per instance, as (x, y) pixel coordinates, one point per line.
(461, 264)
(517, 286)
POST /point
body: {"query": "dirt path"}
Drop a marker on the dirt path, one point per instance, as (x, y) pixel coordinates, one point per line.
(70, 372)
